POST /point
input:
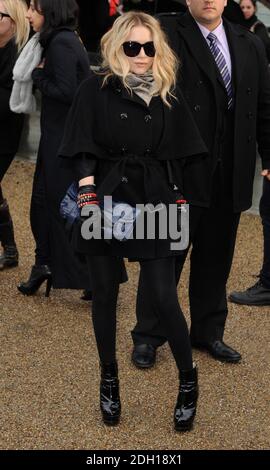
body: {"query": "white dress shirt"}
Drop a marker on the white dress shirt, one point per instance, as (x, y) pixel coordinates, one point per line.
(222, 42)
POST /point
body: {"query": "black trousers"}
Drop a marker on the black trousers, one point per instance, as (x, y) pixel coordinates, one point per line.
(265, 216)
(39, 218)
(213, 234)
(160, 285)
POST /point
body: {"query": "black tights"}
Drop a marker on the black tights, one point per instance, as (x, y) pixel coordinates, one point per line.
(39, 218)
(159, 279)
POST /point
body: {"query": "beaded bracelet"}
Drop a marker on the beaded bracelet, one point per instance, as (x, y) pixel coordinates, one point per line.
(87, 198)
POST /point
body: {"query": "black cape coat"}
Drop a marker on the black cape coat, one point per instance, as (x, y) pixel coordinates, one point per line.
(66, 66)
(134, 152)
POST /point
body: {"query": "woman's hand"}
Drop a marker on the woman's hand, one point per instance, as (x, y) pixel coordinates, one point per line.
(87, 196)
(41, 65)
(266, 173)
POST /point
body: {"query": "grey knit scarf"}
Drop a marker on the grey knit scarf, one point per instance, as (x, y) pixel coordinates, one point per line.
(143, 85)
(22, 99)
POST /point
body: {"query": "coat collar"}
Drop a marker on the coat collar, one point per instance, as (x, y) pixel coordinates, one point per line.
(116, 84)
(190, 32)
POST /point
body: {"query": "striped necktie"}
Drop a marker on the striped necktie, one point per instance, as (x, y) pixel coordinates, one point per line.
(222, 66)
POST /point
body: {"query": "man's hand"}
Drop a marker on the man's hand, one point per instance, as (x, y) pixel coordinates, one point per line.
(266, 173)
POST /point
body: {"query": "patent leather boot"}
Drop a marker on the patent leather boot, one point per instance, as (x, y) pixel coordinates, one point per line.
(39, 274)
(185, 409)
(109, 394)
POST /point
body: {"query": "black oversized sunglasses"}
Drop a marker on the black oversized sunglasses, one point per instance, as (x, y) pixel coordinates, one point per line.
(133, 48)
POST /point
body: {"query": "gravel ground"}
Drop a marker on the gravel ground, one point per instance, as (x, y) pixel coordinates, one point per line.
(49, 368)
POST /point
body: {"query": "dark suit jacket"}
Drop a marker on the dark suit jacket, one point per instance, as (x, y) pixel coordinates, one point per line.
(198, 81)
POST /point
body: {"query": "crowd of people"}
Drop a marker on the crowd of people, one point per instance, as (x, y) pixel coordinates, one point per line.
(170, 121)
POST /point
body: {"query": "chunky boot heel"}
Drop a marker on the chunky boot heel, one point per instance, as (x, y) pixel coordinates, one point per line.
(185, 409)
(110, 404)
(39, 274)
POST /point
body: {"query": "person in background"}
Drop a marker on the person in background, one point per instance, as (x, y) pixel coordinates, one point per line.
(249, 9)
(226, 82)
(14, 32)
(232, 12)
(259, 293)
(64, 65)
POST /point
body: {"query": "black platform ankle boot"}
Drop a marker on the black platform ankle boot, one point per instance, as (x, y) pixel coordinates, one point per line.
(39, 274)
(109, 394)
(10, 256)
(185, 409)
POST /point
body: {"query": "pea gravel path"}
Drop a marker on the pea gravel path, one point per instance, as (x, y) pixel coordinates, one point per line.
(48, 368)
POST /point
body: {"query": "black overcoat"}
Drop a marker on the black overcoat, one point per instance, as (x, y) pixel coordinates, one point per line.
(10, 123)
(66, 66)
(134, 150)
(198, 81)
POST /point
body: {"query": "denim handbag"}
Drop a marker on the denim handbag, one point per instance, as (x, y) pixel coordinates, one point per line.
(68, 207)
(71, 213)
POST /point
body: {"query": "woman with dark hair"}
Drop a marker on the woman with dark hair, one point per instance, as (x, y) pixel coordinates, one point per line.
(63, 67)
(14, 31)
(249, 9)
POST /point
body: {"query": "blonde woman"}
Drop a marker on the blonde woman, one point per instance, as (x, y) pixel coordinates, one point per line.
(14, 31)
(123, 135)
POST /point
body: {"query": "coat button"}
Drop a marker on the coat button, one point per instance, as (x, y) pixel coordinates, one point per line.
(123, 116)
(148, 118)
(249, 139)
(123, 149)
(147, 152)
(124, 179)
(249, 115)
(197, 108)
(249, 90)
(118, 90)
(199, 83)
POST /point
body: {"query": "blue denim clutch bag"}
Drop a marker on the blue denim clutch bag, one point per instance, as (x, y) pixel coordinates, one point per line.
(68, 206)
(71, 213)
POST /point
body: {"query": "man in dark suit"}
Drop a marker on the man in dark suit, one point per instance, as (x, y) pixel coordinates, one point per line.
(225, 79)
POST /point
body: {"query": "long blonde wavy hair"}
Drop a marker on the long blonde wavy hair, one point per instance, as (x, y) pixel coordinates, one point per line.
(17, 10)
(115, 62)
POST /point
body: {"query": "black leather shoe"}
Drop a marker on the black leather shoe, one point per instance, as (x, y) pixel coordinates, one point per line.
(254, 295)
(218, 350)
(144, 355)
(87, 295)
